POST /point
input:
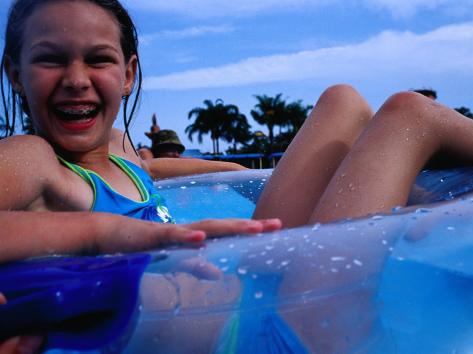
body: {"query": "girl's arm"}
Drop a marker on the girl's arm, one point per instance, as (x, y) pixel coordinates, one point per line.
(31, 179)
(169, 167)
(28, 234)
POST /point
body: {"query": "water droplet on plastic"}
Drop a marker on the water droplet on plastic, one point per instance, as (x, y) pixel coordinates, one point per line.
(242, 271)
(357, 262)
(325, 323)
(258, 295)
(337, 259)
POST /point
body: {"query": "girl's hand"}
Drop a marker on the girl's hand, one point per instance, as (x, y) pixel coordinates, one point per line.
(20, 345)
(122, 234)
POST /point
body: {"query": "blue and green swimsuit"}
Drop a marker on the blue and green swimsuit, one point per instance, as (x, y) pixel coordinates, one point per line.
(106, 199)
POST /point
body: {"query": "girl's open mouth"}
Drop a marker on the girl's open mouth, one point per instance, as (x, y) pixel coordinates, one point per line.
(76, 112)
(77, 117)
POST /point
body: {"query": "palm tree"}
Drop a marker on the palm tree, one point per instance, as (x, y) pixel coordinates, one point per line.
(296, 114)
(219, 120)
(239, 131)
(270, 111)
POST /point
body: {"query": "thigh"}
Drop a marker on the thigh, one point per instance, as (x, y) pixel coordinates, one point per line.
(380, 169)
(314, 155)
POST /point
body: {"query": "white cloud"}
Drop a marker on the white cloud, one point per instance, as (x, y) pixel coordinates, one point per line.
(190, 32)
(445, 50)
(213, 8)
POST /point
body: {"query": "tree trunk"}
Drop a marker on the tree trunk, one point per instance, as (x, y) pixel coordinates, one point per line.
(271, 138)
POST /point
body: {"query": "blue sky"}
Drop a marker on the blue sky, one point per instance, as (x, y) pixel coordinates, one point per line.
(192, 50)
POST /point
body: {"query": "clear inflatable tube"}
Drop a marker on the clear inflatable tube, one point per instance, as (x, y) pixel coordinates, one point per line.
(398, 283)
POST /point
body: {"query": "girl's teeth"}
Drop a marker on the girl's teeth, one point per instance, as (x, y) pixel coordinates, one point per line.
(77, 110)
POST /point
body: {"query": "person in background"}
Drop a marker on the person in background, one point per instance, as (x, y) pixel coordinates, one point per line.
(166, 143)
(163, 159)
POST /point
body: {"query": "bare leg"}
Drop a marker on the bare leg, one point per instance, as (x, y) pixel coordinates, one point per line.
(380, 169)
(311, 160)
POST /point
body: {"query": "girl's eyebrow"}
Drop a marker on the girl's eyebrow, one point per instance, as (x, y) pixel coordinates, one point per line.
(51, 45)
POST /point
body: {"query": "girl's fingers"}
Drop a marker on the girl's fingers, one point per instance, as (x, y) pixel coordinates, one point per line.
(271, 224)
(200, 268)
(235, 226)
(178, 234)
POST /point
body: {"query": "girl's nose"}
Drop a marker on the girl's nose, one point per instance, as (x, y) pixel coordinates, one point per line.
(76, 77)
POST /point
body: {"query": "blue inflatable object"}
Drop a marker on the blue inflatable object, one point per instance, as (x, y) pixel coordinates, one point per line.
(80, 302)
(398, 283)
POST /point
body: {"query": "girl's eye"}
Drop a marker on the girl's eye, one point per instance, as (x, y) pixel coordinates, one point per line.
(50, 59)
(99, 60)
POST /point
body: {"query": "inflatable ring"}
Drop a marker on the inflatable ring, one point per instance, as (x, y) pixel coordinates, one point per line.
(397, 283)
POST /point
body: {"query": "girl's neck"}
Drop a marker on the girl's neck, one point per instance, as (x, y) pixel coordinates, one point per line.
(93, 160)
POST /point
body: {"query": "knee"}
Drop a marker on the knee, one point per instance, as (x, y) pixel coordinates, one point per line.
(339, 92)
(408, 109)
(345, 101)
(406, 102)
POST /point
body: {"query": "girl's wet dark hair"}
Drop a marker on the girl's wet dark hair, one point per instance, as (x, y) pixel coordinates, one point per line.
(19, 13)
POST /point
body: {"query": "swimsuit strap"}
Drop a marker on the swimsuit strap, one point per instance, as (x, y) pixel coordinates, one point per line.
(121, 163)
(82, 172)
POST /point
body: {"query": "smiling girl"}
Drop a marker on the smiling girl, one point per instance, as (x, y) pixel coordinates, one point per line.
(70, 65)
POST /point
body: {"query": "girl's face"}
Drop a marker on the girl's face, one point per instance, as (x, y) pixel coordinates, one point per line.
(73, 74)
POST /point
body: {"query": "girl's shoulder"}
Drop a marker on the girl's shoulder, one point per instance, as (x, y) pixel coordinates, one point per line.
(26, 145)
(29, 152)
(29, 164)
